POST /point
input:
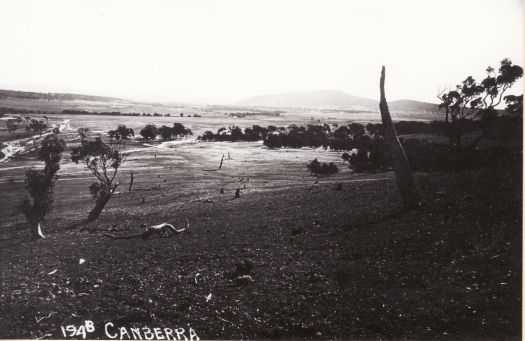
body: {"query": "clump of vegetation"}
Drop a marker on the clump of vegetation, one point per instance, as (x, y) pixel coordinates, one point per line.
(40, 183)
(149, 132)
(476, 102)
(12, 126)
(234, 134)
(318, 168)
(121, 133)
(37, 126)
(103, 160)
(177, 131)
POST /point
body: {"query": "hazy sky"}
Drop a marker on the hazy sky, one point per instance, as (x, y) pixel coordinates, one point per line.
(227, 50)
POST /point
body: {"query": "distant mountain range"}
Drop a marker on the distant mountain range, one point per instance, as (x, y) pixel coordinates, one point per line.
(331, 99)
(323, 99)
(4, 94)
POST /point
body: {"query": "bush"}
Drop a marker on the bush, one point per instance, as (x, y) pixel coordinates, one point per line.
(317, 168)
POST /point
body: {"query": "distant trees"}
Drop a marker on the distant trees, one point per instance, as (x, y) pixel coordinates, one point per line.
(37, 126)
(121, 133)
(187, 132)
(178, 130)
(472, 101)
(40, 183)
(103, 160)
(149, 132)
(235, 134)
(12, 126)
(166, 132)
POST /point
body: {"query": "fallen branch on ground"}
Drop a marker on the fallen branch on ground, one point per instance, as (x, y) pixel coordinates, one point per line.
(164, 230)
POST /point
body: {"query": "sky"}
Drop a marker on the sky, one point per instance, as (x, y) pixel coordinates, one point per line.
(221, 51)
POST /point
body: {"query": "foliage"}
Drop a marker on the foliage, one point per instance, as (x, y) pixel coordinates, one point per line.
(234, 134)
(433, 157)
(83, 133)
(472, 100)
(165, 132)
(11, 126)
(40, 183)
(318, 168)
(149, 132)
(121, 133)
(514, 104)
(103, 160)
(178, 131)
(37, 126)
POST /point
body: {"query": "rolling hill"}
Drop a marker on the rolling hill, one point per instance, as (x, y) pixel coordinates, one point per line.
(5, 94)
(331, 99)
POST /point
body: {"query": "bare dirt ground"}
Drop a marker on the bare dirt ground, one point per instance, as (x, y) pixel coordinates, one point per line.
(325, 263)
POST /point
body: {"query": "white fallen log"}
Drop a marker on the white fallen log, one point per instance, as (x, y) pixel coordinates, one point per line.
(163, 229)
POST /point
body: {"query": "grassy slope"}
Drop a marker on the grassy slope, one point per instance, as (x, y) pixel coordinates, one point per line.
(355, 267)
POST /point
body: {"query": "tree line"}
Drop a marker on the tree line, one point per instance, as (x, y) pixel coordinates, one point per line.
(150, 132)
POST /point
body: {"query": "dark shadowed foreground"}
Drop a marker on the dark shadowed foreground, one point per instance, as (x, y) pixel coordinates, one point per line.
(324, 264)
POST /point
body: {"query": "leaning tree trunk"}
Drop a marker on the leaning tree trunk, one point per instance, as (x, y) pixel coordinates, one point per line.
(97, 210)
(405, 180)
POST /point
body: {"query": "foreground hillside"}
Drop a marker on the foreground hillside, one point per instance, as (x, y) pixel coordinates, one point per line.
(324, 263)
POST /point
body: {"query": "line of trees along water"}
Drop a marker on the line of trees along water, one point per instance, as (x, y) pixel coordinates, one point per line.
(365, 149)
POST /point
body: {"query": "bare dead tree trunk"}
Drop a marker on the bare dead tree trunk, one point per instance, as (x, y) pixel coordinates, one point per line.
(130, 182)
(405, 180)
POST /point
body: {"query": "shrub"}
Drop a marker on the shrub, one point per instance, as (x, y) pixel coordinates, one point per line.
(40, 183)
(317, 168)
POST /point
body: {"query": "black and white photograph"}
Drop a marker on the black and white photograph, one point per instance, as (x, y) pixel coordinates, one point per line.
(265, 169)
